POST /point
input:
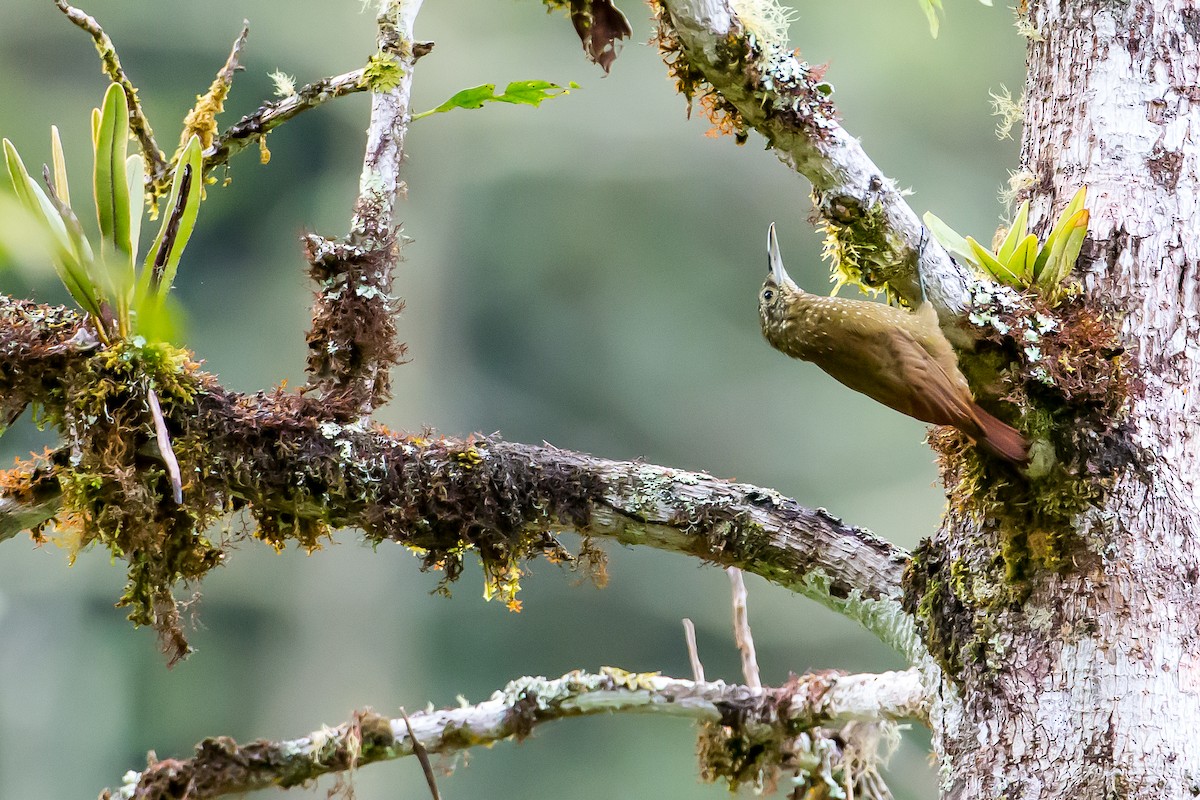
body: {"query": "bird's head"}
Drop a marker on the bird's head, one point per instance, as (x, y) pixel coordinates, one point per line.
(777, 293)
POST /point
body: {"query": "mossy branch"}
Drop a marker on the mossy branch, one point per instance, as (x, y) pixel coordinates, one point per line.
(253, 128)
(352, 342)
(745, 77)
(797, 720)
(302, 472)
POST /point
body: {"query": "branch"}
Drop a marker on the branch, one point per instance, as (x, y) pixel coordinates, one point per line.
(251, 128)
(303, 473)
(762, 85)
(352, 343)
(222, 767)
(138, 123)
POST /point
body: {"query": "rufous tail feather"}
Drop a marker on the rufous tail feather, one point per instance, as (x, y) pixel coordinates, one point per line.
(1001, 438)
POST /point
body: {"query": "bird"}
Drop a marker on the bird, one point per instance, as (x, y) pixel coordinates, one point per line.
(896, 357)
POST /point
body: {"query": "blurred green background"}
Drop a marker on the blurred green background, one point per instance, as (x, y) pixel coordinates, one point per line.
(585, 274)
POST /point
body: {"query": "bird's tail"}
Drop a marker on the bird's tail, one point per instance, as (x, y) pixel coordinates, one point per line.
(1001, 439)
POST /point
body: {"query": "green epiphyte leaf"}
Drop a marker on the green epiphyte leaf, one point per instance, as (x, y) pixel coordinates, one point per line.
(1022, 259)
(1064, 253)
(135, 174)
(73, 255)
(995, 268)
(1073, 207)
(949, 238)
(61, 187)
(161, 319)
(178, 222)
(1016, 233)
(109, 182)
(933, 10)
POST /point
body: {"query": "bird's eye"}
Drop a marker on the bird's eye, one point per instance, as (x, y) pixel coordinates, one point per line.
(768, 295)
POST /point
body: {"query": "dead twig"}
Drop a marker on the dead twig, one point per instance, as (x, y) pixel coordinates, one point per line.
(689, 634)
(741, 629)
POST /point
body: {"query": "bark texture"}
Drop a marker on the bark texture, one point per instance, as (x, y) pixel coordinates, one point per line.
(1088, 687)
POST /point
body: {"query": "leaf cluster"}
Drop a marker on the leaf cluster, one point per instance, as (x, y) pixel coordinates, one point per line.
(104, 279)
(1020, 260)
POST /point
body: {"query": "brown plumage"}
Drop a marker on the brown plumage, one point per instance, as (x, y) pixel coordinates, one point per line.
(898, 358)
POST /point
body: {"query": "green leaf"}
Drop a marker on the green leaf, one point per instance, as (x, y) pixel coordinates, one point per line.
(1016, 233)
(949, 238)
(178, 222)
(160, 319)
(997, 270)
(1073, 207)
(61, 187)
(72, 252)
(1023, 257)
(530, 93)
(932, 9)
(25, 242)
(109, 183)
(1065, 252)
(135, 174)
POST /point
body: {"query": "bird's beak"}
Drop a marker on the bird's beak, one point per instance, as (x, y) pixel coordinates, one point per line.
(775, 260)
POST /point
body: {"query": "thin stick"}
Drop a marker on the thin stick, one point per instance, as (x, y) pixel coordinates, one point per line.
(741, 629)
(269, 116)
(164, 447)
(422, 756)
(689, 634)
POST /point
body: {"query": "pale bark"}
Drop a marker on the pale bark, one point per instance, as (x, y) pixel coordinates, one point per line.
(1087, 687)
(846, 182)
(222, 767)
(1092, 688)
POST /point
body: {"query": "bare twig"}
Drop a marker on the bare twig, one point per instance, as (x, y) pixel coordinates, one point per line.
(741, 628)
(222, 767)
(689, 635)
(138, 123)
(422, 756)
(164, 446)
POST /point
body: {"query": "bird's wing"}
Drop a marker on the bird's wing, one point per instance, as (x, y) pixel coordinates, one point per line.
(934, 396)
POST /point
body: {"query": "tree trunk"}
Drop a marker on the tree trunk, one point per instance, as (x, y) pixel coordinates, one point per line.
(1088, 687)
